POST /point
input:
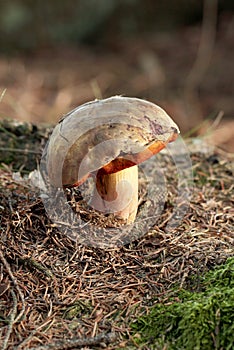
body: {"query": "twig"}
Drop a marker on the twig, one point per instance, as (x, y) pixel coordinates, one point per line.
(18, 150)
(8, 268)
(32, 334)
(11, 321)
(78, 342)
(7, 132)
(35, 264)
(206, 45)
(217, 121)
(204, 55)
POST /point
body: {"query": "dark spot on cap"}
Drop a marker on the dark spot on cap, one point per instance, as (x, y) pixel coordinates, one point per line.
(155, 128)
(175, 130)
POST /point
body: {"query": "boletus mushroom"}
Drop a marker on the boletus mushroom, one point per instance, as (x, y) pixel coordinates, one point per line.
(107, 139)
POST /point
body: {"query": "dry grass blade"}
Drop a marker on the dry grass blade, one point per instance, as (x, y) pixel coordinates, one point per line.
(2, 94)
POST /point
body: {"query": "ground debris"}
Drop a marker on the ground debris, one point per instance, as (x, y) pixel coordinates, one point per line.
(68, 290)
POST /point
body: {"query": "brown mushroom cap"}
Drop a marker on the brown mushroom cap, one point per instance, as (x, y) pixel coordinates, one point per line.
(110, 134)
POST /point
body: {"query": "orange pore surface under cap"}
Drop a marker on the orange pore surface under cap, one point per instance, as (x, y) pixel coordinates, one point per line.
(122, 163)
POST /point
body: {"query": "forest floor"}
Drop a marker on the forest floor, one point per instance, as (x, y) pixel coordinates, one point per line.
(57, 293)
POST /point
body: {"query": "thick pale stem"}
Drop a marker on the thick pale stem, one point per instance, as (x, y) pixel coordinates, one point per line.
(117, 193)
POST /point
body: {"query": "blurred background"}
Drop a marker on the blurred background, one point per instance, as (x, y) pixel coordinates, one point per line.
(55, 55)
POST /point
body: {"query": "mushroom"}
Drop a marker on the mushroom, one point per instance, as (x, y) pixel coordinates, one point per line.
(107, 139)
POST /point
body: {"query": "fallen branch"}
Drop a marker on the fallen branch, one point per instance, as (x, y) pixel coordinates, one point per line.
(78, 342)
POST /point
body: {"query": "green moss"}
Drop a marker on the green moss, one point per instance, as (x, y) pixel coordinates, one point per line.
(193, 320)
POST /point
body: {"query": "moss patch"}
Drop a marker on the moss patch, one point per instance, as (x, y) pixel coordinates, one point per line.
(193, 320)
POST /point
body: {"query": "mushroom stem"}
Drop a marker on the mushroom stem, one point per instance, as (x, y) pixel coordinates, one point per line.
(117, 193)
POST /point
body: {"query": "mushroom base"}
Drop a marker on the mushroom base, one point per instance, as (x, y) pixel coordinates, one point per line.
(117, 194)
